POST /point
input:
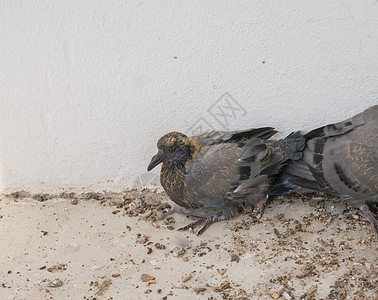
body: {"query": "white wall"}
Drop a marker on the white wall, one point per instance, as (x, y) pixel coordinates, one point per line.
(87, 87)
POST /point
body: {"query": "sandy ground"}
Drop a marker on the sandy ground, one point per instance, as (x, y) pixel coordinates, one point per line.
(98, 246)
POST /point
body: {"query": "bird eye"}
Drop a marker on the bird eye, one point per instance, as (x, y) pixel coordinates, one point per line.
(171, 149)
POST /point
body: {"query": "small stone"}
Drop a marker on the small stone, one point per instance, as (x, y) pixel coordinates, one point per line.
(142, 239)
(234, 257)
(74, 201)
(146, 277)
(160, 246)
(186, 278)
(55, 283)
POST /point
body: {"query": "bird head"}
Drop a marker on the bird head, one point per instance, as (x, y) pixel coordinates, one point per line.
(174, 147)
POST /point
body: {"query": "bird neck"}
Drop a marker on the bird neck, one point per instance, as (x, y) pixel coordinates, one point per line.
(173, 173)
(172, 178)
(194, 147)
(176, 165)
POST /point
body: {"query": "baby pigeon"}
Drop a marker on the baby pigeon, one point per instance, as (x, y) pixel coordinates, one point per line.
(215, 175)
(341, 159)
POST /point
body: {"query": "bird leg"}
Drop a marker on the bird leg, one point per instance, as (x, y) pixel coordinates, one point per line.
(207, 221)
(368, 214)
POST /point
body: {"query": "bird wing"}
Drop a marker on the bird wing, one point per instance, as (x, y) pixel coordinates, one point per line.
(218, 137)
(237, 171)
(212, 174)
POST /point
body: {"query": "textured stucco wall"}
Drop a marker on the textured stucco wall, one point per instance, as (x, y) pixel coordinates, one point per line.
(86, 87)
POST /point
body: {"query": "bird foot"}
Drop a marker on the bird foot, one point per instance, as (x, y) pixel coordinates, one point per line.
(206, 221)
(369, 215)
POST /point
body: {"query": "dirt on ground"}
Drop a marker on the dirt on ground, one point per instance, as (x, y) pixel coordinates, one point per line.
(111, 246)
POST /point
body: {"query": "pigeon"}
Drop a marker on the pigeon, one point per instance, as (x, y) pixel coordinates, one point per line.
(215, 175)
(341, 159)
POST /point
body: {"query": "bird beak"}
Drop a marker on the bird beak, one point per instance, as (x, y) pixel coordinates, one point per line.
(156, 159)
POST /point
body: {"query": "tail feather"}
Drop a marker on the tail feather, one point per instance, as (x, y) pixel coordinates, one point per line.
(298, 168)
(281, 185)
(305, 183)
(293, 145)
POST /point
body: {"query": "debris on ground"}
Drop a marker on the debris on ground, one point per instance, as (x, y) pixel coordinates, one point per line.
(304, 246)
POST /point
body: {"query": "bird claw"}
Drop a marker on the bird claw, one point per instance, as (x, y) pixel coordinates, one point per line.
(192, 225)
(206, 221)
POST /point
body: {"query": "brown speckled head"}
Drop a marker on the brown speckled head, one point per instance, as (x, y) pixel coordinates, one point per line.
(173, 139)
(174, 147)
